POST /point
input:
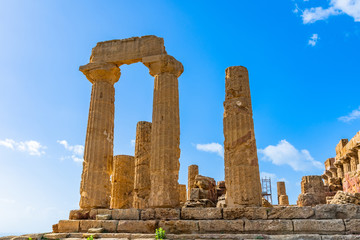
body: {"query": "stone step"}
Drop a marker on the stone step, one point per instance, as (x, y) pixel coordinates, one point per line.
(237, 226)
(129, 236)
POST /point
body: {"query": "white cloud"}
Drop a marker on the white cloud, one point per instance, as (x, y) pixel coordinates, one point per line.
(132, 142)
(313, 39)
(336, 7)
(76, 150)
(355, 114)
(286, 154)
(31, 147)
(212, 148)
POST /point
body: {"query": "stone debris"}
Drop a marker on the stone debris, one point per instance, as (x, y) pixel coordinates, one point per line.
(345, 198)
(312, 191)
(265, 203)
(242, 176)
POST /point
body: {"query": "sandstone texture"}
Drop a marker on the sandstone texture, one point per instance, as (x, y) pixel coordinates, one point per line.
(142, 182)
(345, 198)
(95, 184)
(240, 156)
(182, 193)
(122, 181)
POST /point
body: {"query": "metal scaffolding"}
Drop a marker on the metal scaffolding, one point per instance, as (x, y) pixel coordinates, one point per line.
(266, 189)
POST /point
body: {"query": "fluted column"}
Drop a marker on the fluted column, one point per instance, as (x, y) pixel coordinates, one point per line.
(142, 164)
(122, 182)
(242, 178)
(165, 133)
(339, 167)
(346, 164)
(95, 179)
(193, 170)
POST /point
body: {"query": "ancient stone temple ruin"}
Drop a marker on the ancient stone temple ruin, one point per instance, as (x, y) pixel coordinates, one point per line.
(129, 197)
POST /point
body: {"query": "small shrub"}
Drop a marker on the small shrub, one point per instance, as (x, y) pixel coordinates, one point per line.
(160, 234)
(90, 238)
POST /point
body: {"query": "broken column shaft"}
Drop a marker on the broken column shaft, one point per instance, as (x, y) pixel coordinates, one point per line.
(122, 182)
(242, 176)
(142, 164)
(193, 171)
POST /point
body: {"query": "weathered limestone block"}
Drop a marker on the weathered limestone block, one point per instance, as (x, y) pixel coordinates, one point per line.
(182, 190)
(291, 212)
(122, 182)
(199, 203)
(319, 226)
(352, 226)
(165, 132)
(221, 226)
(269, 226)
(344, 198)
(208, 185)
(241, 163)
(160, 214)
(103, 217)
(246, 212)
(193, 171)
(179, 226)
(107, 225)
(98, 153)
(79, 214)
(127, 51)
(201, 213)
(312, 191)
(142, 182)
(68, 226)
(94, 212)
(125, 214)
(133, 226)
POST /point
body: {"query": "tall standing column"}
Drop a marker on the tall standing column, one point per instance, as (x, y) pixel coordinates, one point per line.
(165, 133)
(283, 199)
(193, 170)
(142, 164)
(98, 155)
(242, 178)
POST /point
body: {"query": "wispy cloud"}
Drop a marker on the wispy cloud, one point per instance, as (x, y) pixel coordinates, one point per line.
(31, 147)
(355, 114)
(132, 142)
(76, 150)
(286, 154)
(313, 40)
(335, 7)
(212, 148)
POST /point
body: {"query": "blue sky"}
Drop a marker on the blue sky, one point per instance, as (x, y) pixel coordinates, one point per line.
(303, 62)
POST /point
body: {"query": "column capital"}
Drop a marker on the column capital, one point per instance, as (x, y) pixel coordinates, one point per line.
(105, 72)
(163, 64)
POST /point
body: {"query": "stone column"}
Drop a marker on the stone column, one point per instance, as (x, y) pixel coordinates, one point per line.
(142, 165)
(98, 155)
(193, 170)
(242, 178)
(182, 190)
(346, 164)
(326, 179)
(165, 133)
(339, 167)
(122, 181)
(281, 191)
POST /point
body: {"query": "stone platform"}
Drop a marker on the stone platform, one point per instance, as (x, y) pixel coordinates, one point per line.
(320, 222)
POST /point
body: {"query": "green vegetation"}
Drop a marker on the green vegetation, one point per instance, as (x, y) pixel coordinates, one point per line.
(160, 234)
(90, 238)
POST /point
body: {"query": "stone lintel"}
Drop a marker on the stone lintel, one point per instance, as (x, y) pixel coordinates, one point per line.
(127, 51)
